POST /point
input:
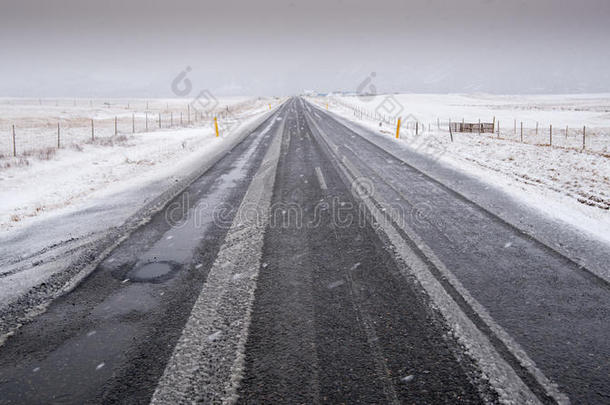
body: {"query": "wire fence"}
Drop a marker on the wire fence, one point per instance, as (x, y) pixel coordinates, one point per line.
(585, 138)
(36, 131)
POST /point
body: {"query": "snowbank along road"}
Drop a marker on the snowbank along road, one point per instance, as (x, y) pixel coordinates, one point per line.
(314, 264)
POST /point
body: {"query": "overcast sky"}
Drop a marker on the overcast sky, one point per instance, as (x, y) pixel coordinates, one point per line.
(137, 47)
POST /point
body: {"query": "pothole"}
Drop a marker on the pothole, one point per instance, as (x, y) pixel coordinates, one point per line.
(153, 271)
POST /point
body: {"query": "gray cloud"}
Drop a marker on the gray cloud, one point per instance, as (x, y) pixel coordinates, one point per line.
(135, 48)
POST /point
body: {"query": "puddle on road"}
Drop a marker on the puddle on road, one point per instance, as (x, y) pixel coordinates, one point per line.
(154, 271)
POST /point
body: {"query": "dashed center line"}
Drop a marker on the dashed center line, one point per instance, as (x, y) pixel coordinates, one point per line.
(320, 177)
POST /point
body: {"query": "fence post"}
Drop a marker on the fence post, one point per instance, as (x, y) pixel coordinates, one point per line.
(438, 123)
(180, 118)
(479, 126)
(550, 134)
(159, 120)
(116, 131)
(14, 143)
(171, 119)
(450, 131)
(92, 131)
(58, 142)
(584, 130)
(133, 123)
(521, 131)
(146, 119)
(498, 129)
(416, 128)
(566, 133)
(493, 125)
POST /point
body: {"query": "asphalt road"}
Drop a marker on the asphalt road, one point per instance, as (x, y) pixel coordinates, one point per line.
(311, 264)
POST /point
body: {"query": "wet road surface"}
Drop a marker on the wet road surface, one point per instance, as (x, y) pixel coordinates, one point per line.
(109, 339)
(373, 283)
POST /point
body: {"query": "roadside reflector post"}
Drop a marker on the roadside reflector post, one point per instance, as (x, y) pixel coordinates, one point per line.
(551, 135)
(115, 125)
(398, 128)
(584, 131)
(270, 106)
(58, 138)
(216, 126)
(92, 131)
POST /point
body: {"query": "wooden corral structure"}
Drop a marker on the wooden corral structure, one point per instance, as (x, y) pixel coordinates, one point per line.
(483, 127)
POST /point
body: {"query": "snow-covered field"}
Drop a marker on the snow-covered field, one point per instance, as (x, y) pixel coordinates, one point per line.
(36, 120)
(564, 182)
(571, 112)
(37, 184)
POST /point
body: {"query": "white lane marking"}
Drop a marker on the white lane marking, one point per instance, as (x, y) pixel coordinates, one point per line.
(321, 178)
(210, 370)
(503, 378)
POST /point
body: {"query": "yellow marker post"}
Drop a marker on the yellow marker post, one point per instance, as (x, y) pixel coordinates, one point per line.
(327, 106)
(398, 129)
(216, 126)
(269, 106)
